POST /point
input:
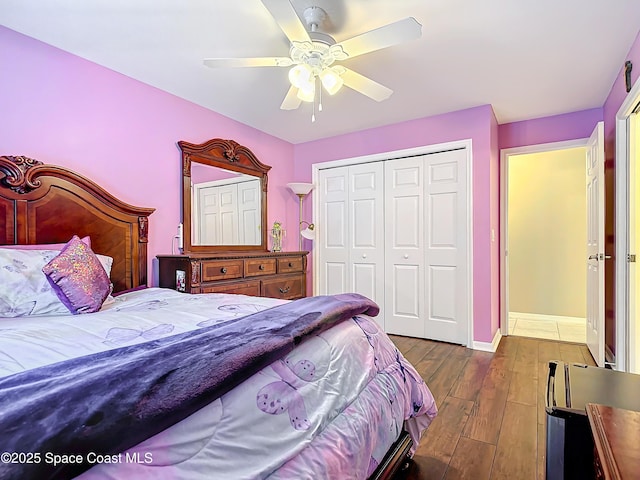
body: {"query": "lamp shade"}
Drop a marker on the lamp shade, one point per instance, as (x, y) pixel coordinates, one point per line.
(300, 188)
(309, 233)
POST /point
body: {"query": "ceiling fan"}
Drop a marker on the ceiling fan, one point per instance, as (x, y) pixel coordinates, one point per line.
(313, 54)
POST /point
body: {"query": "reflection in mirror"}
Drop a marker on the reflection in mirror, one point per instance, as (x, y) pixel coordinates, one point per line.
(226, 208)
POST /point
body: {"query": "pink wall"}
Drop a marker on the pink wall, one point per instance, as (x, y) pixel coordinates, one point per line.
(121, 133)
(558, 128)
(477, 124)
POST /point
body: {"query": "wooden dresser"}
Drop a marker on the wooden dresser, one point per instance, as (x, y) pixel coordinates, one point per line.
(261, 274)
(616, 437)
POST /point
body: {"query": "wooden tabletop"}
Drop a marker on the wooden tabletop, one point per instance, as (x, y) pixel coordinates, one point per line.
(616, 436)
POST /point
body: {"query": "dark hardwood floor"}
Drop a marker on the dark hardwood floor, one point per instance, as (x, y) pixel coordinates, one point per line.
(491, 417)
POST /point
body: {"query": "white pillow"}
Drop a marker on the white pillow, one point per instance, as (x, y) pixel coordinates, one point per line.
(24, 288)
(107, 263)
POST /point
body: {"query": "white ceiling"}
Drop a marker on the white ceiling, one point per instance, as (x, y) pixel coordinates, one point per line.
(527, 58)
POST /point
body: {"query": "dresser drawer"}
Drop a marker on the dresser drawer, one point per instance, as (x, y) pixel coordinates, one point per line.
(288, 287)
(212, 270)
(242, 288)
(290, 265)
(259, 266)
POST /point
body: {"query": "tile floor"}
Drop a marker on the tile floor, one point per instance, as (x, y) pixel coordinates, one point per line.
(566, 329)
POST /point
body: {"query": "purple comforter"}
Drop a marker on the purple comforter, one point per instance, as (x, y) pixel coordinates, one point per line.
(107, 402)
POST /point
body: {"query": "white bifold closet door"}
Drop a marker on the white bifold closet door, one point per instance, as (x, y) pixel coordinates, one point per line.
(396, 231)
(352, 244)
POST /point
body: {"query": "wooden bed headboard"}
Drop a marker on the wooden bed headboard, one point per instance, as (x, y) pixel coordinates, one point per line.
(42, 204)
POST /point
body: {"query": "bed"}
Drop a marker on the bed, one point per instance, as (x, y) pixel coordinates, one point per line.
(153, 383)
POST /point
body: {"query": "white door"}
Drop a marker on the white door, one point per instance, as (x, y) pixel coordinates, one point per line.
(426, 247)
(446, 247)
(404, 246)
(249, 213)
(352, 241)
(366, 233)
(333, 229)
(595, 244)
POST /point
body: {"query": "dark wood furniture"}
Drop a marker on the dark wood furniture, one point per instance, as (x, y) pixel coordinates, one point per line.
(616, 438)
(226, 155)
(42, 204)
(262, 274)
(244, 269)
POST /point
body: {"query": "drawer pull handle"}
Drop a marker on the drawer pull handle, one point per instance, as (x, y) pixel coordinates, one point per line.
(260, 267)
(223, 270)
(285, 289)
(290, 265)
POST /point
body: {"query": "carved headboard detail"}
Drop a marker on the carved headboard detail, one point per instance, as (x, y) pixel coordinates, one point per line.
(42, 204)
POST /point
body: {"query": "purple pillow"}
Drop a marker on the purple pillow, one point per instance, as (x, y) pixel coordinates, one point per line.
(78, 278)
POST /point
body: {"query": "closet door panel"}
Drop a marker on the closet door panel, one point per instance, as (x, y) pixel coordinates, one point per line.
(404, 246)
(333, 231)
(366, 232)
(445, 190)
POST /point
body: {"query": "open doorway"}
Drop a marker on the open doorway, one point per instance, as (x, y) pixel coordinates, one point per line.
(544, 241)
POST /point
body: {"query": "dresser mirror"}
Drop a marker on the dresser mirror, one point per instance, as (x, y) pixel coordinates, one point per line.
(224, 197)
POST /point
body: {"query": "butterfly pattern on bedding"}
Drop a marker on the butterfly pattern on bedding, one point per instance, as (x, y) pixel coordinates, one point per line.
(118, 336)
(234, 310)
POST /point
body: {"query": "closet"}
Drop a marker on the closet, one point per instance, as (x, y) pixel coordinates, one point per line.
(397, 232)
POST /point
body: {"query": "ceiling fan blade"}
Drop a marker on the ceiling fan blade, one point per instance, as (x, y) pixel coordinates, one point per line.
(366, 86)
(383, 37)
(288, 20)
(291, 100)
(248, 62)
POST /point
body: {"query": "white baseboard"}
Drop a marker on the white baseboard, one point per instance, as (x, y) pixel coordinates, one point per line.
(489, 347)
(547, 318)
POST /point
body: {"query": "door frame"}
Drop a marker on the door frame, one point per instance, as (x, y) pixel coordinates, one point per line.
(505, 154)
(467, 144)
(622, 166)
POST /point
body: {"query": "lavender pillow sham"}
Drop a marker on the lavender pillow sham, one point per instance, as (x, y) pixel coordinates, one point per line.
(78, 278)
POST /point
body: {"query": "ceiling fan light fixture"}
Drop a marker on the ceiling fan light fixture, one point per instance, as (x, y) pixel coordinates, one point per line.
(307, 93)
(301, 76)
(331, 80)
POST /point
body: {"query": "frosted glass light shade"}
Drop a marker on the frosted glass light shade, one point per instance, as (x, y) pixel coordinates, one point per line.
(301, 76)
(331, 81)
(309, 233)
(307, 93)
(300, 188)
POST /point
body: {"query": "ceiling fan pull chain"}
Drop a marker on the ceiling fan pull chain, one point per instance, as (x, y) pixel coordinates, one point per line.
(319, 87)
(315, 94)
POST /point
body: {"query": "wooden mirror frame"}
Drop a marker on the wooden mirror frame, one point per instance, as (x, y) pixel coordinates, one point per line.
(228, 155)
